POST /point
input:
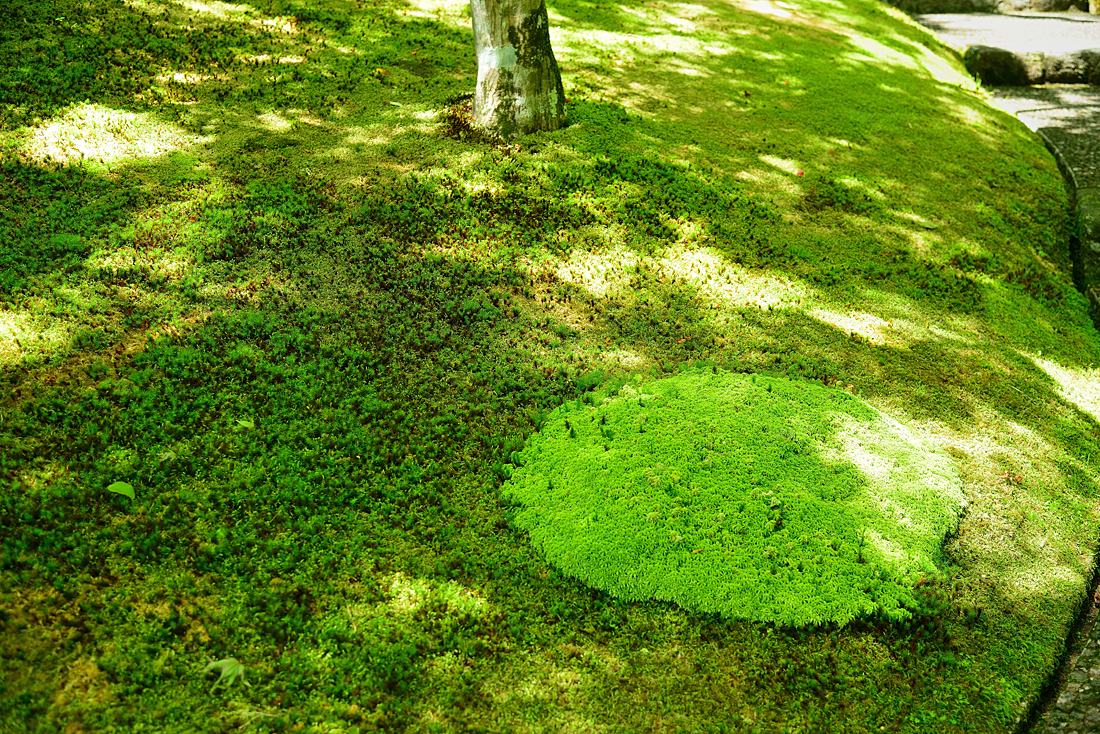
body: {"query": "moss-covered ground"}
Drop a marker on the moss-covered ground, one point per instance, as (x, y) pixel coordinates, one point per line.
(253, 265)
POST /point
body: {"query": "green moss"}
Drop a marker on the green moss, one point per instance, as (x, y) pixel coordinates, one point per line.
(755, 497)
(312, 335)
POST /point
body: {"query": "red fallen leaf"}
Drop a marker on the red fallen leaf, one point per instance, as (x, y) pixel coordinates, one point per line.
(800, 173)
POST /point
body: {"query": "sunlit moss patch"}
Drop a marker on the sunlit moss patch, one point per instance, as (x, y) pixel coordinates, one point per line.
(754, 497)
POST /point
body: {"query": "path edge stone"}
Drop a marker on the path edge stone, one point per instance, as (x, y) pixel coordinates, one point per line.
(1088, 234)
(995, 66)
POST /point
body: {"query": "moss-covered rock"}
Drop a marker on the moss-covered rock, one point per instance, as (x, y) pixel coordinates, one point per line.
(754, 497)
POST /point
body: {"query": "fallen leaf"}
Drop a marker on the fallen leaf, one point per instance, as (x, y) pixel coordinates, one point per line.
(121, 488)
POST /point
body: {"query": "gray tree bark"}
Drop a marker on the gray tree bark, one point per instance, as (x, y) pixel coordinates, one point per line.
(519, 87)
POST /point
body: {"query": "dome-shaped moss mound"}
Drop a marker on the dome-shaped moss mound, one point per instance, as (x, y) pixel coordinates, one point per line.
(755, 497)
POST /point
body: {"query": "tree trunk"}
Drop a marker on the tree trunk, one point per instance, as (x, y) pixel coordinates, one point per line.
(519, 87)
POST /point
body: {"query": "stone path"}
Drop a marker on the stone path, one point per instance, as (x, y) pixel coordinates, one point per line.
(1027, 33)
(1077, 708)
(1023, 48)
(1067, 117)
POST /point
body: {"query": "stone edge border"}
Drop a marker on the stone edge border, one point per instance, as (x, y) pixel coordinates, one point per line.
(996, 66)
(1088, 233)
(1087, 212)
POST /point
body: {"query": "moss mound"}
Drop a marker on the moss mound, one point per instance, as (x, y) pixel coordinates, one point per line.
(754, 497)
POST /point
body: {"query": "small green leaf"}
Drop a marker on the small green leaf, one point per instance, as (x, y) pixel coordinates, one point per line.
(121, 488)
(246, 424)
(230, 669)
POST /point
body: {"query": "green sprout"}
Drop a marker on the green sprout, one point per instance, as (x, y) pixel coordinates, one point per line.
(230, 669)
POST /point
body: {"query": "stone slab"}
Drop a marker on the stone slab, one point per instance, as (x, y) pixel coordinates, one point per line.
(1067, 117)
(1023, 48)
(1022, 33)
(990, 6)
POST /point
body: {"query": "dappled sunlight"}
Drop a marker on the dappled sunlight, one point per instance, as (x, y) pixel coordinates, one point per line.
(914, 494)
(917, 220)
(779, 10)
(407, 594)
(283, 24)
(872, 50)
(976, 114)
(1043, 581)
(1024, 506)
(275, 122)
(456, 12)
(93, 132)
(897, 321)
(1077, 385)
(784, 165)
(385, 308)
(729, 285)
(241, 13)
(42, 476)
(158, 263)
(24, 335)
(218, 9)
(625, 358)
(922, 243)
(819, 18)
(874, 329)
(598, 272)
(768, 179)
(264, 58)
(180, 77)
(582, 46)
(890, 47)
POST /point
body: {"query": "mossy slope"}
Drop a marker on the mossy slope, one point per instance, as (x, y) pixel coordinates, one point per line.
(737, 494)
(312, 335)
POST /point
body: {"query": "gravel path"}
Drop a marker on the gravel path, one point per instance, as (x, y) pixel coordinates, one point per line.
(1046, 33)
(1067, 116)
